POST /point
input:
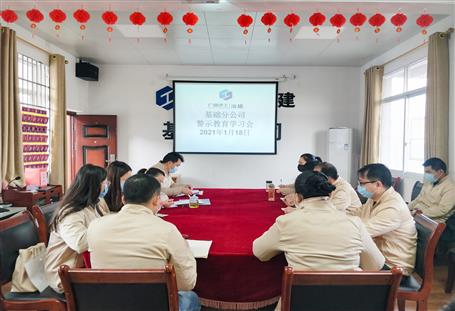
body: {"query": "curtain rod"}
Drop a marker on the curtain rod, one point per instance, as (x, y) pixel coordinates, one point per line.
(37, 47)
(448, 32)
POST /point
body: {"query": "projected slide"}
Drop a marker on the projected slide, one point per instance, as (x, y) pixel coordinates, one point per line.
(225, 117)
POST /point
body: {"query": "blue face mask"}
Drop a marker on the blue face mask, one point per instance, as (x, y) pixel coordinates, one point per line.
(364, 192)
(173, 170)
(428, 177)
(122, 184)
(104, 191)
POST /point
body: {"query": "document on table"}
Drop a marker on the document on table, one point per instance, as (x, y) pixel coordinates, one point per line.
(194, 191)
(186, 202)
(199, 248)
(161, 215)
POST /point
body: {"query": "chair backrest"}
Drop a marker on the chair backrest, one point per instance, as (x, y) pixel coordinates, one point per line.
(115, 289)
(339, 290)
(416, 190)
(17, 232)
(396, 183)
(43, 216)
(428, 234)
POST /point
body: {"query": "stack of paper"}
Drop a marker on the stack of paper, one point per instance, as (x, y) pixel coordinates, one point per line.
(186, 202)
(193, 192)
(199, 248)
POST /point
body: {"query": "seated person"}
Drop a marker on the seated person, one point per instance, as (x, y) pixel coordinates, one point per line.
(344, 196)
(136, 238)
(318, 236)
(307, 162)
(387, 218)
(117, 173)
(437, 198)
(142, 171)
(68, 238)
(169, 165)
(159, 175)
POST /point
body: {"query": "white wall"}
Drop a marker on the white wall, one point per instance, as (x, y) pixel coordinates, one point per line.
(410, 178)
(325, 97)
(76, 89)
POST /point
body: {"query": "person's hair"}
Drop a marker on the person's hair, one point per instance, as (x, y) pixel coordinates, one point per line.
(113, 197)
(83, 193)
(328, 169)
(308, 157)
(142, 171)
(377, 171)
(313, 185)
(436, 164)
(155, 172)
(172, 157)
(139, 189)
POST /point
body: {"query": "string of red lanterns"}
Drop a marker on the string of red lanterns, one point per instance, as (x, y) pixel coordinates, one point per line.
(317, 19)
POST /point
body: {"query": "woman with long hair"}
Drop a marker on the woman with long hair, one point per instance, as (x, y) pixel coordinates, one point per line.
(117, 173)
(68, 238)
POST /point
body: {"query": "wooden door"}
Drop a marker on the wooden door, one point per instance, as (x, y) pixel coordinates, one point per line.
(93, 140)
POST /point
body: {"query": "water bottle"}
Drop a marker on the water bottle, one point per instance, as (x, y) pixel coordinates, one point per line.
(194, 202)
(271, 192)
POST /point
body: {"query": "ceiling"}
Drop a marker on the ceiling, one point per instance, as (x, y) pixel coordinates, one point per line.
(218, 40)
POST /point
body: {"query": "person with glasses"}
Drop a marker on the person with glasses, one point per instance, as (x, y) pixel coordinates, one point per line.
(317, 236)
(387, 218)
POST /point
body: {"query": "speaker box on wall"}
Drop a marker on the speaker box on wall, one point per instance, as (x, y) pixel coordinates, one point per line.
(87, 71)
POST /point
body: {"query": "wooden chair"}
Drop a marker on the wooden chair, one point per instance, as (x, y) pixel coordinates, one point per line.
(428, 234)
(115, 289)
(43, 218)
(20, 232)
(339, 290)
(416, 190)
(396, 183)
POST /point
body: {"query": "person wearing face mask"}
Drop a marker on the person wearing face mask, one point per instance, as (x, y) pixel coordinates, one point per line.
(136, 238)
(387, 218)
(117, 173)
(68, 228)
(317, 236)
(169, 165)
(344, 196)
(437, 197)
(159, 175)
(306, 165)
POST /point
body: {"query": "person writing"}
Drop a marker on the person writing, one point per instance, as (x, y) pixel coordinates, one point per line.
(169, 165)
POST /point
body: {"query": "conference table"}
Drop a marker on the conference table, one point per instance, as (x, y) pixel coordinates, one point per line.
(231, 277)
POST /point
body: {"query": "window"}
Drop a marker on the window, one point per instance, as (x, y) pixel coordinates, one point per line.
(34, 96)
(402, 121)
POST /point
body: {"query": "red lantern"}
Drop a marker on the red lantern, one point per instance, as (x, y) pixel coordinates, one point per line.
(245, 21)
(268, 19)
(338, 21)
(291, 20)
(357, 20)
(82, 17)
(377, 20)
(9, 16)
(35, 16)
(165, 19)
(424, 21)
(398, 20)
(58, 17)
(190, 19)
(110, 18)
(137, 18)
(317, 19)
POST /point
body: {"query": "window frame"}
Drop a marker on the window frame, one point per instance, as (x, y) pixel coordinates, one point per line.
(36, 94)
(405, 96)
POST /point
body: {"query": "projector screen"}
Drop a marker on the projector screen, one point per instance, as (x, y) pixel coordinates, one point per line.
(225, 117)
